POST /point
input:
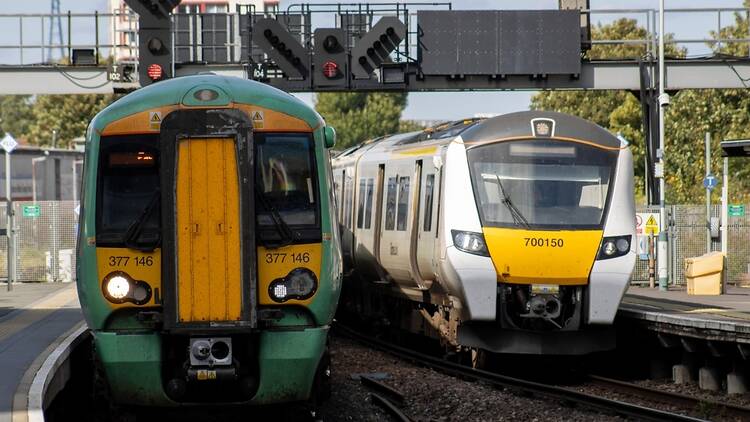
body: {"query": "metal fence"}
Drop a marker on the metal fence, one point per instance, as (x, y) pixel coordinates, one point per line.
(45, 239)
(687, 233)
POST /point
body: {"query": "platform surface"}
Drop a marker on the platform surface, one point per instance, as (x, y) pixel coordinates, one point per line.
(32, 317)
(724, 317)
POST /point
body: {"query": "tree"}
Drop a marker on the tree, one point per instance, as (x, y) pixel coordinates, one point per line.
(359, 116)
(15, 115)
(69, 115)
(618, 111)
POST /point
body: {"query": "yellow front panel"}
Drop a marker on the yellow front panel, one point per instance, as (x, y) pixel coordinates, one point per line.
(546, 257)
(208, 231)
(277, 263)
(143, 266)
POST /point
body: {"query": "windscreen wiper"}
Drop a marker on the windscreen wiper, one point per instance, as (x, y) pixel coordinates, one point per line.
(286, 233)
(136, 227)
(518, 218)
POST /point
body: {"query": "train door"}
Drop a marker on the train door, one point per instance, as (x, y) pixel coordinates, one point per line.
(427, 224)
(208, 219)
(414, 229)
(364, 255)
(378, 213)
(395, 237)
(340, 194)
(347, 232)
(337, 195)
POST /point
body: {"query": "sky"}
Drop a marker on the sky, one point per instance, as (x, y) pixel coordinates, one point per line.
(421, 106)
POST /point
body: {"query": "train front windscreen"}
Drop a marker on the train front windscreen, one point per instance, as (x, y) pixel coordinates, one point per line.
(542, 184)
(286, 189)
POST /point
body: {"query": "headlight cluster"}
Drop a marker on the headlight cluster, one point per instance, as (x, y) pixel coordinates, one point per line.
(614, 246)
(470, 242)
(118, 287)
(299, 284)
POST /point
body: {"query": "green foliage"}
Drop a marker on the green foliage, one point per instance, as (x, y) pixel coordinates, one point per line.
(739, 30)
(409, 126)
(15, 114)
(69, 115)
(358, 116)
(723, 113)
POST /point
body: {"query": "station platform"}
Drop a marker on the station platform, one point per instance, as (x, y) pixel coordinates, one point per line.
(33, 318)
(718, 318)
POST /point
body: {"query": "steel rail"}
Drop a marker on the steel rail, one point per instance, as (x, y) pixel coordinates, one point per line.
(383, 388)
(562, 394)
(389, 407)
(668, 397)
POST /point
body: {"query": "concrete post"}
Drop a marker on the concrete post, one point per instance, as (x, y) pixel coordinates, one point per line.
(736, 383)
(708, 379)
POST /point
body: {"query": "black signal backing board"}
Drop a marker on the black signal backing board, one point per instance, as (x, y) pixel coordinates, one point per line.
(499, 42)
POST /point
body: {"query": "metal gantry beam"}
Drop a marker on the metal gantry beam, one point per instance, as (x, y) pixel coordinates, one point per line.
(41, 80)
(602, 75)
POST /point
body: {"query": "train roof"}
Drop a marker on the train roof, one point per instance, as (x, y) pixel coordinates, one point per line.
(523, 124)
(442, 131)
(507, 126)
(238, 90)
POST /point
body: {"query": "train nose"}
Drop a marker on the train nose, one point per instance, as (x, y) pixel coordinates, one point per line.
(560, 257)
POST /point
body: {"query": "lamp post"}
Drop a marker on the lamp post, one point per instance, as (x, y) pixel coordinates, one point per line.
(9, 144)
(662, 253)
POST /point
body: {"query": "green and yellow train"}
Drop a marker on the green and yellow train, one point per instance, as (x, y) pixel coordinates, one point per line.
(209, 266)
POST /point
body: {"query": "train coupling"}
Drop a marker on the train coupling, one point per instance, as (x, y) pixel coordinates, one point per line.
(211, 351)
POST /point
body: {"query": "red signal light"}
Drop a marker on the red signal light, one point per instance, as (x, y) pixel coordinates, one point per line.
(330, 69)
(155, 72)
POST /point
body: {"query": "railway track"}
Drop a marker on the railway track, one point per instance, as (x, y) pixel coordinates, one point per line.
(699, 405)
(563, 395)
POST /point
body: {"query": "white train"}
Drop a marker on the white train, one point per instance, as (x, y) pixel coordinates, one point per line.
(512, 234)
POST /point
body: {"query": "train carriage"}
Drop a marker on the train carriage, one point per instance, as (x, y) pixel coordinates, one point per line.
(208, 267)
(512, 234)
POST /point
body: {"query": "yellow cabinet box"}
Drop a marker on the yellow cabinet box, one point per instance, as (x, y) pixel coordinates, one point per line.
(704, 274)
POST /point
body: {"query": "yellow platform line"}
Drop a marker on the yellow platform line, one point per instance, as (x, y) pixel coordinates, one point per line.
(40, 310)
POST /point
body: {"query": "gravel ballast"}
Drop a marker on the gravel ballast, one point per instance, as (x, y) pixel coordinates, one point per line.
(429, 395)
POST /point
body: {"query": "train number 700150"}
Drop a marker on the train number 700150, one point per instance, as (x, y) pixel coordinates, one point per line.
(543, 242)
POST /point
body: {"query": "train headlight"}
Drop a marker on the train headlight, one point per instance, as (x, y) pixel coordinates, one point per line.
(614, 246)
(623, 245)
(470, 242)
(119, 287)
(299, 284)
(609, 248)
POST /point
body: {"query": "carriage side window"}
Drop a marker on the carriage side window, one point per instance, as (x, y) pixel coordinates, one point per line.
(403, 203)
(390, 206)
(428, 193)
(128, 195)
(368, 202)
(361, 203)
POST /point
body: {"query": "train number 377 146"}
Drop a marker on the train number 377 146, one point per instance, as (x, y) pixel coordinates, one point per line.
(280, 258)
(543, 242)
